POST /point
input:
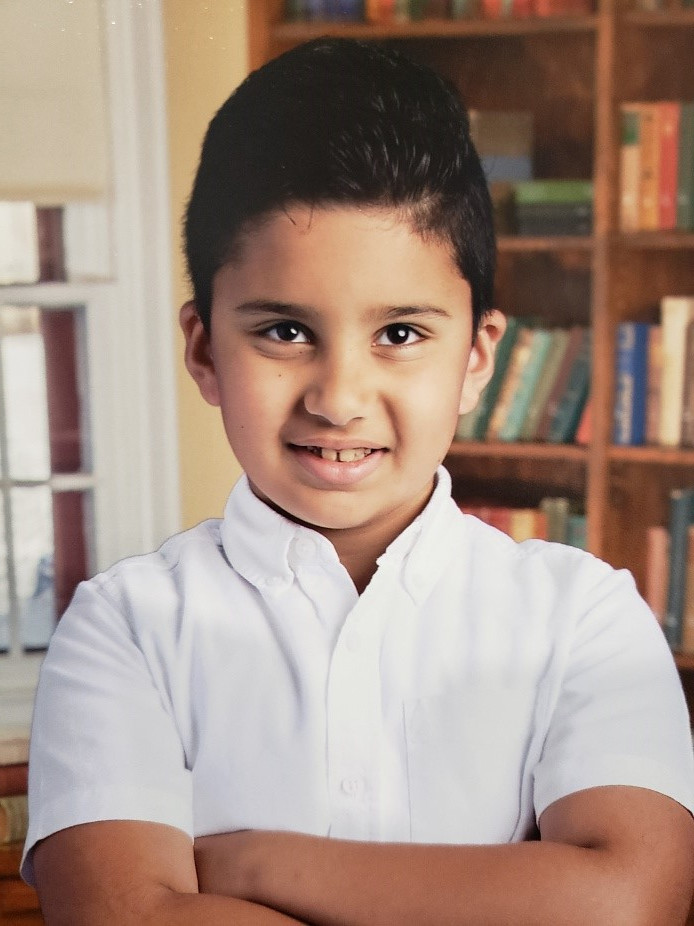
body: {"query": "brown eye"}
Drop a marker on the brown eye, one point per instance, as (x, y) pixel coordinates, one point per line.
(400, 335)
(289, 332)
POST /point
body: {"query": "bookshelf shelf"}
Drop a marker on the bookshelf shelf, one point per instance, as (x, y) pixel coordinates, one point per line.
(520, 244)
(500, 450)
(293, 32)
(664, 456)
(660, 18)
(656, 241)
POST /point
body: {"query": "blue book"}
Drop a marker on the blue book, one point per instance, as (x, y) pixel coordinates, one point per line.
(631, 384)
(681, 516)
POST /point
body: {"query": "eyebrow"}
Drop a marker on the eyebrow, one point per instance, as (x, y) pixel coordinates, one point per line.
(306, 313)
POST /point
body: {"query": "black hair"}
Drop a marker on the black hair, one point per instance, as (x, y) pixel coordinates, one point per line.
(341, 122)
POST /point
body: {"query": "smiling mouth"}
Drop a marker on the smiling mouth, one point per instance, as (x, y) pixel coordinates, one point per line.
(352, 455)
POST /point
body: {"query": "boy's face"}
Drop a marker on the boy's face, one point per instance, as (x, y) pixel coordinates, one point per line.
(340, 355)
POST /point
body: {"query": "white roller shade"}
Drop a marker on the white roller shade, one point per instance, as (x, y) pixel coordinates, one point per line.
(53, 121)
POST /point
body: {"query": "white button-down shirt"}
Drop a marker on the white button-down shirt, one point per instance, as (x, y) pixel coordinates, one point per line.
(235, 679)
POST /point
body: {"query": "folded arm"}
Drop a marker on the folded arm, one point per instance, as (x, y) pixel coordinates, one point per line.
(127, 873)
(612, 855)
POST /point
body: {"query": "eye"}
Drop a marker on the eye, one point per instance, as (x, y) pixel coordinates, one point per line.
(287, 332)
(399, 335)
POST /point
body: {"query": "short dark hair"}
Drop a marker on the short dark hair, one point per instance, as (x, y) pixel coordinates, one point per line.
(341, 122)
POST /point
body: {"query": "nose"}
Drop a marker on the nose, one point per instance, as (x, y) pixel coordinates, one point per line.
(338, 388)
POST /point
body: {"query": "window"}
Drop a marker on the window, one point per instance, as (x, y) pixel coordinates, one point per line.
(88, 444)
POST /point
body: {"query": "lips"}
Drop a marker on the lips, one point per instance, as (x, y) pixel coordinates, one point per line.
(341, 466)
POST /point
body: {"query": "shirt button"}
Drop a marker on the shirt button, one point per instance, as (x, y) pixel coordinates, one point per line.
(350, 786)
(305, 547)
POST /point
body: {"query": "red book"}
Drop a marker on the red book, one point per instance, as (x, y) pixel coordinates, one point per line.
(14, 779)
(669, 126)
(584, 431)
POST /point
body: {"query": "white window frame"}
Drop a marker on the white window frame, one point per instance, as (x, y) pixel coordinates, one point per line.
(129, 325)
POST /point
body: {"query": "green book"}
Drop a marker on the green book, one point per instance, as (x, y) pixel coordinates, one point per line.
(576, 531)
(681, 516)
(685, 169)
(548, 375)
(520, 402)
(568, 414)
(556, 510)
(529, 192)
(487, 401)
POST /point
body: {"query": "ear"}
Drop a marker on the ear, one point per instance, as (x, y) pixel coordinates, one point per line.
(481, 361)
(198, 353)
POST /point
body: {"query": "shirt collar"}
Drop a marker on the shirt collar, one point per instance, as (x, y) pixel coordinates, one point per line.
(262, 544)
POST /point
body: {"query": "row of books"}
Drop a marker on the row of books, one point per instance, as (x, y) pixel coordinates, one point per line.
(14, 780)
(385, 11)
(654, 378)
(670, 571)
(555, 519)
(539, 390)
(656, 186)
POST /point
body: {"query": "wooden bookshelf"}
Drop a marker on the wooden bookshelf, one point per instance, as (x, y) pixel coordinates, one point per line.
(572, 73)
(18, 902)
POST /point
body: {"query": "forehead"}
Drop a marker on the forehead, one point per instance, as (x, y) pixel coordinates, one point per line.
(342, 254)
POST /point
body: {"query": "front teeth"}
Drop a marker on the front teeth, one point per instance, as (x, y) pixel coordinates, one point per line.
(343, 456)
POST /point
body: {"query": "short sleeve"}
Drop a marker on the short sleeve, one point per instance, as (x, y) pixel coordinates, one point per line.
(619, 716)
(104, 742)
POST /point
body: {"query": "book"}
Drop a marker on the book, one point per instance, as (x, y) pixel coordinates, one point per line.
(688, 606)
(14, 747)
(657, 570)
(556, 511)
(548, 375)
(14, 779)
(547, 219)
(14, 818)
(576, 531)
(629, 168)
(669, 125)
(563, 192)
(504, 143)
(520, 355)
(687, 427)
(681, 517)
(584, 431)
(685, 169)
(631, 376)
(522, 397)
(676, 314)
(563, 427)
(577, 336)
(653, 379)
(487, 401)
(523, 524)
(649, 164)
(49, 225)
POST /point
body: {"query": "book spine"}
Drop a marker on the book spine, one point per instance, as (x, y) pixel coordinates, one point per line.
(560, 340)
(14, 818)
(520, 402)
(629, 168)
(657, 570)
(649, 144)
(685, 169)
(630, 384)
(676, 313)
(565, 422)
(688, 607)
(654, 376)
(584, 431)
(577, 531)
(556, 511)
(681, 517)
(519, 358)
(669, 146)
(687, 429)
(577, 336)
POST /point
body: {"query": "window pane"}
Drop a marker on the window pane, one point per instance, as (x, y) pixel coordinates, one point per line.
(24, 385)
(32, 541)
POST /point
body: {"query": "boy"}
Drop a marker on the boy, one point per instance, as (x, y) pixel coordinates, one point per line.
(362, 705)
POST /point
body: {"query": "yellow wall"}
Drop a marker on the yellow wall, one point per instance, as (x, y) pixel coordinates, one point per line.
(205, 59)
